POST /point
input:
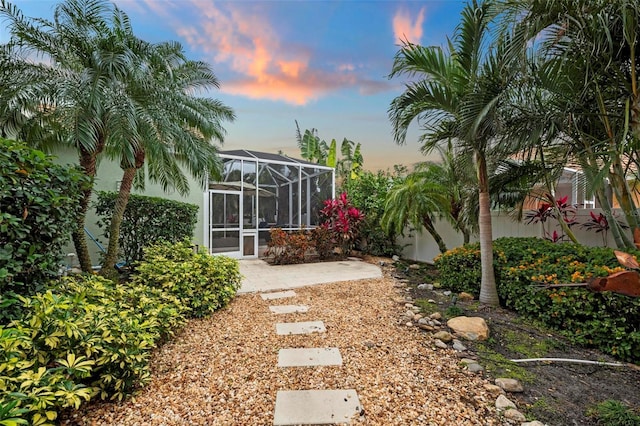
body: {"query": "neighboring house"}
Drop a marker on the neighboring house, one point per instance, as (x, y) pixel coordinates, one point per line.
(257, 191)
(420, 246)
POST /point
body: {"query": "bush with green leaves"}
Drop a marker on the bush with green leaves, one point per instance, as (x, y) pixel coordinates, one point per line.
(368, 193)
(82, 338)
(524, 266)
(202, 282)
(39, 204)
(147, 220)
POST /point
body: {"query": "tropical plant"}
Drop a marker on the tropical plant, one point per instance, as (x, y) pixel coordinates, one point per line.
(554, 208)
(368, 194)
(584, 80)
(458, 95)
(343, 221)
(417, 200)
(39, 201)
(142, 105)
(69, 96)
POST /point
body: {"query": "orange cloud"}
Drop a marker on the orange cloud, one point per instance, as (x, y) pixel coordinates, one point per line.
(404, 28)
(245, 41)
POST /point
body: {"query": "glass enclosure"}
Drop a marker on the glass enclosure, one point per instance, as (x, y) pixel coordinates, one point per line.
(259, 191)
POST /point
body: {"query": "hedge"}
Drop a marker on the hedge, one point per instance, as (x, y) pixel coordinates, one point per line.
(607, 321)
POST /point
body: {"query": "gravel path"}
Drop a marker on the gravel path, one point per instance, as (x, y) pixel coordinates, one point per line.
(223, 370)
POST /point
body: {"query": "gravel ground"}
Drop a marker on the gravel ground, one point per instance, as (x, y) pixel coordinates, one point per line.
(222, 370)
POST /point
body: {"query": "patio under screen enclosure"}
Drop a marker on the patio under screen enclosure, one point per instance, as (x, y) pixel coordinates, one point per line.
(260, 191)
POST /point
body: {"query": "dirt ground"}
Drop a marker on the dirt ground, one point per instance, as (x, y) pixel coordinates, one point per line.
(555, 393)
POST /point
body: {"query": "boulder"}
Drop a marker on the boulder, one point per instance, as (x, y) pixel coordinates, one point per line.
(470, 328)
(509, 385)
(503, 403)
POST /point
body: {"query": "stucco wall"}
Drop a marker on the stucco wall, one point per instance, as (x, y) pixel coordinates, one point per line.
(108, 176)
(422, 247)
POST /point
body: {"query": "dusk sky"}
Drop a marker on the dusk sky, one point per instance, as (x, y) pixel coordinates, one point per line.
(322, 63)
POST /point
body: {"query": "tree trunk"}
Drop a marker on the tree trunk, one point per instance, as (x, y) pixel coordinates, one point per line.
(428, 224)
(488, 290)
(109, 262)
(87, 161)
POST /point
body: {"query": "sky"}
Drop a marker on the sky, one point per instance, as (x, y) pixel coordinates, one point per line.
(322, 63)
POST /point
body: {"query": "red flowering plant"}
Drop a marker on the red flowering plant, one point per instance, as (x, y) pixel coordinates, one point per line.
(546, 211)
(343, 222)
(599, 223)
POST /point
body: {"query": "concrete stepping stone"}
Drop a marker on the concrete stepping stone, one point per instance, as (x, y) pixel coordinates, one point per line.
(277, 295)
(315, 407)
(308, 327)
(288, 309)
(309, 357)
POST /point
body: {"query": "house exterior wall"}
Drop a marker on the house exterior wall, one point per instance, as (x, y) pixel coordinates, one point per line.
(422, 247)
(108, 177)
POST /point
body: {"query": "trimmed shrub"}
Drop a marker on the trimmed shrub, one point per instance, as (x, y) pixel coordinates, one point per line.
(147, 220)
(39, 204)
(82, 338)
(524, 266)
(202, 282)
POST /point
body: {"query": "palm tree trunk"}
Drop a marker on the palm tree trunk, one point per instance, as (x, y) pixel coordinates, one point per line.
(88, 164)
(109, 262)
(428, 224)
(488, 290)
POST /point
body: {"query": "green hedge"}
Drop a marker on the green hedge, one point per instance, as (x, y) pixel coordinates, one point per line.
(607, 321)
(147, 220)
(204, 283)
(87, 337)
(39, 203)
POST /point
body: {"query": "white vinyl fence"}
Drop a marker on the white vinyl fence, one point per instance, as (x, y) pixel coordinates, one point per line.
(420, 246)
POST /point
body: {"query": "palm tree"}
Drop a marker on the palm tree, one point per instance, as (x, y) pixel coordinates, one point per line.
(458, 95)
(170, 129)
(586, 74)
(417, 200)
(64, 98)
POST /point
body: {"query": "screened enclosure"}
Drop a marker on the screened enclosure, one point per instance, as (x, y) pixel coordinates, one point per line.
(260, 191)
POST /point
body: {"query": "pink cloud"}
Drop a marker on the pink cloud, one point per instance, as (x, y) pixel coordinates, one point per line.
(405, 28)
(247, 43)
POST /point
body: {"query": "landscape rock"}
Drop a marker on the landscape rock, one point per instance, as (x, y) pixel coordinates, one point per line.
(533, 423)
(515, 415)
(435, 316)
(425, 327)
(425, 286)
(474, 367)
(446, 293)
(409, 324)
(440, 344)
(493, 390)
(503, 403)
(470, 328)
(414, 266)
(509, 385)
(468, 361)
(445, 336)
(458, 346)
(464, 296)
(395, 258)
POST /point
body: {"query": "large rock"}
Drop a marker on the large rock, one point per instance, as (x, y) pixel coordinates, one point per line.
(445, 336)
(504, 403)
(510, 385)
(470, 328)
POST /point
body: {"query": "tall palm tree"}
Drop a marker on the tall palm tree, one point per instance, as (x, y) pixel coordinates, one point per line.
(458, 95)
(169, 127)
(63, 99)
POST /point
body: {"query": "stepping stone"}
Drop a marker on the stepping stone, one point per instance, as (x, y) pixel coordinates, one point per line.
(315, 407)
(288, 309)
(277, 295)
(308, 327)
(308, 357)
